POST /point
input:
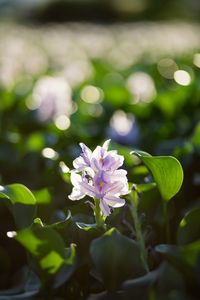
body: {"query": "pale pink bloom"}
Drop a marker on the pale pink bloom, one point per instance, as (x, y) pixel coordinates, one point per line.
(100, 177)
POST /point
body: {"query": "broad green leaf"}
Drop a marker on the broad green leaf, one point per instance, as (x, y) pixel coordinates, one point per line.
(26, 285)
(162, 280)
(166, 171)
(68, 268)
(189, 227)
(142, 188)
(138, 288)
(140, 170)
(46, 245)
(116, 258)
(18, 193)
(42, 196)
(23, 214)
(185, 257)
(21, 203)
(169, 279)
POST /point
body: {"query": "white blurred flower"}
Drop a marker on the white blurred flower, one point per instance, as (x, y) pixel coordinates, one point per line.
(52, 98)
(123, 128)
(142, 87)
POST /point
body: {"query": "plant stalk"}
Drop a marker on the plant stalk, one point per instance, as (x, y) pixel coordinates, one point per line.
(98, 216)
(138, 230)
(165, 213)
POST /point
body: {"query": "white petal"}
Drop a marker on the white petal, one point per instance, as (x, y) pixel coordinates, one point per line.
(90, 172)
(125, 190)
(104, 208)
(117, 162)
(86, 154)
(79, 163)
(120, 173)
(117, 175)
(87, 189)
(76, 194)
(96, 155)
(106, 144)
(76, 179)
(114, 201)
(115, 188)
(113, 152)
(85, 149)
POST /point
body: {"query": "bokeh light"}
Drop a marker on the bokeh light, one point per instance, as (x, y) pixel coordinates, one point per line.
(167, 67)
(121, 122)
(142, 87)
(196, 60)
(91, 94)
(182, 77)
(49, 153)
(62, 122)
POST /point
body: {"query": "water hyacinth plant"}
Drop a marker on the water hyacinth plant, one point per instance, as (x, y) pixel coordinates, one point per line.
(97, 175)
(61, 252)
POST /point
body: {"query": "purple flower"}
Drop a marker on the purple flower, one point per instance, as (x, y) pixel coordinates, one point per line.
(100, 177)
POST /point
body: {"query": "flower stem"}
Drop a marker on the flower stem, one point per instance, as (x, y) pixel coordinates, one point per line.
(98, 216)
(138, 229)
(165, 213)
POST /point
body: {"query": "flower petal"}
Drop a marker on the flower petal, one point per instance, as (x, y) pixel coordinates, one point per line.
(88, 189)
(76, 179)
(117, 175)
(86, 153)
(76, 194)
(115, 161)
(106, 144)
(114, 188)
(79, 163)
(114, 201)
(104, 208)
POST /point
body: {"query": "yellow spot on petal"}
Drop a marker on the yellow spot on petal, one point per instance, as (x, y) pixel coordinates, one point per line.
(101, 183)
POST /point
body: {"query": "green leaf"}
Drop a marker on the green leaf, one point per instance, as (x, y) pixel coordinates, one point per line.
(42, 196)
(68, 268)
(189, 227)
(21, 203)
(166, 171)
(116, 258)
(163, 280)
(142, 188)
(62, 226)
(18, 193)
(86, 227)
(25, 285)
(46, 245)
(64, 172)
(140, 170)
(185, 258)
(138, 288)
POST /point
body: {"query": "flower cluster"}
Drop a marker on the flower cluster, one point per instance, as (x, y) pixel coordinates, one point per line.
(97, 175)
